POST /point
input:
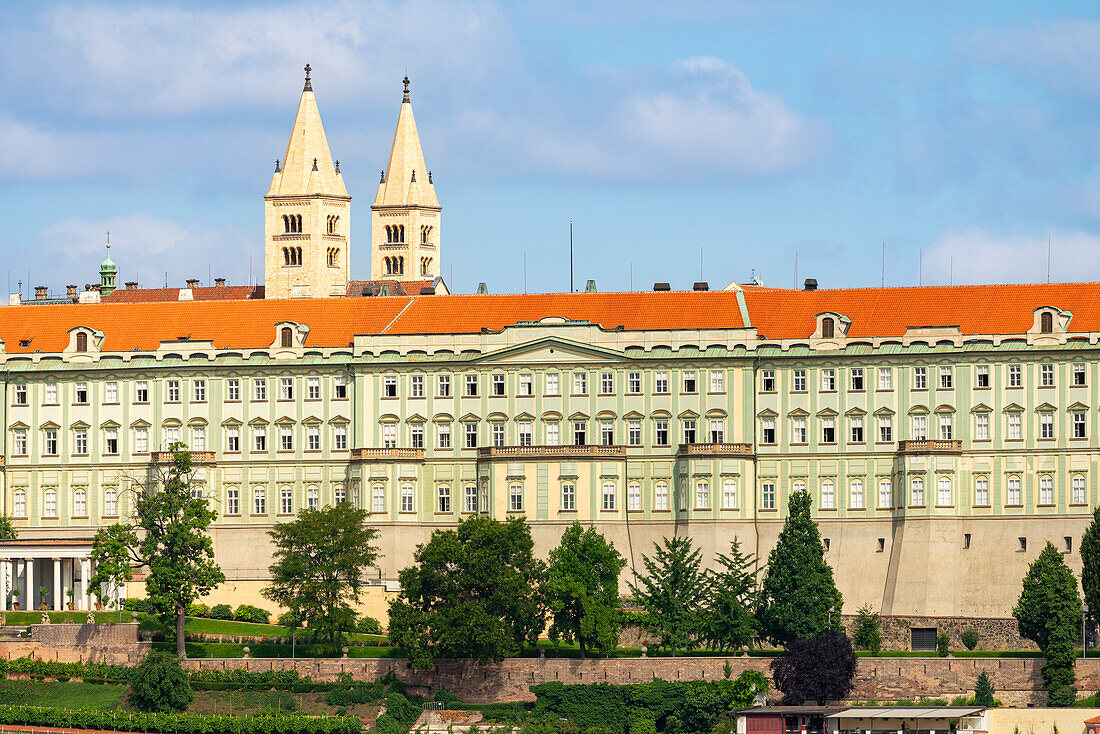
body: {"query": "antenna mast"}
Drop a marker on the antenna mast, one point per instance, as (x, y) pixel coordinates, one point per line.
(570, 255)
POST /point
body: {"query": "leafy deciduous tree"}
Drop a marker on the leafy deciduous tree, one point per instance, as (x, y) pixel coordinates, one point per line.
(673, 592)
(798, 588)
(7, 528)
(730, 621)
(1090, 563)
(159, 683)
(318, 566)
(168, 535)
(582, 589)
(473, 593)
(1049, 613)
(817, 669)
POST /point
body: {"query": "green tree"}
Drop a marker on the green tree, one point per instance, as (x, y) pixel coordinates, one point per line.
(159, 683)
(7, 528)
(983, 691)
(167, 534)
(673, 592)
(1049, 613)
(317, 567)
(473, 593)
(798, 589)
(730, 621)
(868, 635)
(1090, 562)
(582, 590)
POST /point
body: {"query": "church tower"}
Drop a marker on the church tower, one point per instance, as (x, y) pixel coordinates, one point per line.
(307, 214)
(406, 231)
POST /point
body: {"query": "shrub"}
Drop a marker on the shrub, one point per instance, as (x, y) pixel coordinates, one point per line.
(386, 724)
(137, 605)
(249, 613)
(221, 611)
(160, 684)
(168, 723)
(363, 693)
(446, 698)
(868, 636)
(197, 610)
(943, 644)
(403, 711)
(969, 638)
(286, 619)
(1062, 697)
(368, 625)
(643, 725)
(983, 691)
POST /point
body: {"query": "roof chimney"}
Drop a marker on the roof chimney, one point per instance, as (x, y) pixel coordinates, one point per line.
(40, 292)
(482, 289)
(701, 285)
(71, 292)
(662, 287)
(219, 282)
(131, 285)
(192, 282)
(590, 286)
(811, 284)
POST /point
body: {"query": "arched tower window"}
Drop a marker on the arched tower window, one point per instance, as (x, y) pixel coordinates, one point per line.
(287, 336)
(401, 233)
(401, 264)
(1046, 322)
(286, 223)
(827, 328)
(81, 342)
(334, 257)
(298, 217)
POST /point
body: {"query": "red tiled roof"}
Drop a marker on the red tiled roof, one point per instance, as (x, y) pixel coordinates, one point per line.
(779, 313)
(160, 295)
(396, 287)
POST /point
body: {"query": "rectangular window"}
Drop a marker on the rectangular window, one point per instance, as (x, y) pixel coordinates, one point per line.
(634, 497)
(416, 386)
(20, 502)
(110, 503)
(286, 438)
(607, 433)
(525, 432)
(568, 497)
(856, 375)
(259, 389)
(828, 380)
(259, 501)
(660, 496)
(471, 435)
(313, 388)
(20, 435)
(198, 391)
(828, 495)
(1015, 375)
(981, 427)
(857, 429)
(1078, 497)
(767, 495)
(286, 388)
(110, 392)
(471, 498)
(1078, 425)
(313, 438)
(607, 383)
(553, 433)
(943, 492)
(920, 378)
(1046, 490)
(885, 378)
(49, 503)
(233, 389)
(660, 383)
(313, 498)
(690, 385)
(689, 430)
(526, 385)
(443, 386)
(767, 381)
(798, 430)
(171, 435)
(497, 385)
(1014, 494)
(920, 428)
(172, 391)
(981, 376)
(340, 387)
(515, 498)
(633, 433)
(141, 440)
(443, 498)
(579, 433)
(496, 432)
(634, 383)
(80, 442)
(947, 431)
(885, 429)
(580, 383)
(339, 494)
(729, 494)
(1046, 425)
(389, 435)
(389, 386)
(553, 384)
(981, 491)
(340, 436)
(232, 439)
(855, 494)
(947, 378)
(378, 499)
(767, 430)
(717, 381)
(50, 393)
(717, 430)
(1015, 427)
(828, 430)
(608, 496)
(198, 438)
(443, 434)
(702, 495)
(1078, 374)
(286, 501)
(416, 435)
(470, 390)
(259, 438)
(660, 428)
(407, 498)
(799, 382)
(1046, 375)
(885, 493)
(916, 492)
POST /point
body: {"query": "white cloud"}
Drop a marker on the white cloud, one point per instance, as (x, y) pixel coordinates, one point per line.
(144, 248)
(30, 153)
(977, 256)
(1061, 55)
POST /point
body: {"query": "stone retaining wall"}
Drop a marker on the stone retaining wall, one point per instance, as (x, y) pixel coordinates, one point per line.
(993, 633)
(71, 643)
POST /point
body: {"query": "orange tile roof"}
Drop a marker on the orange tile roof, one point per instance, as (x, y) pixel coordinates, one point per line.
(212, 293)
(778, 313)
(397, 287)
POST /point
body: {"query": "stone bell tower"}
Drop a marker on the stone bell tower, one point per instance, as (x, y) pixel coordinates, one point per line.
(307, 214)
(406, 219)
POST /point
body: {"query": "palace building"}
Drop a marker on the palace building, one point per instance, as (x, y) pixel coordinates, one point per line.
(944, 433)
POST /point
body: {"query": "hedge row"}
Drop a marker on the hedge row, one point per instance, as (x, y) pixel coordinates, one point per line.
(184, 723)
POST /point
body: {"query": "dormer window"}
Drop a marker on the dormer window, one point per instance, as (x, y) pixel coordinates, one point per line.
(287, 336)
(1046, 323)
(827, 327)
(82, 342)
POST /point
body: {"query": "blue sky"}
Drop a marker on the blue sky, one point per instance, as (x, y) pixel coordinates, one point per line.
(964, 136)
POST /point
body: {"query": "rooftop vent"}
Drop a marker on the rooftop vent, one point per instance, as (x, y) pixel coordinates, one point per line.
(219, 282)
(40, 292)
(482, 289)
(590, 286)
(810, 285)
(701, 285)
(662, 287)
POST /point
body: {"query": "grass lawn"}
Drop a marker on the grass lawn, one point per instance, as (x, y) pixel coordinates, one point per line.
(20, 619)
(71, 695)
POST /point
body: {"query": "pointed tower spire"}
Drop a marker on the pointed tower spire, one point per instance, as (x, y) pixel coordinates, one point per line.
(308, 87)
